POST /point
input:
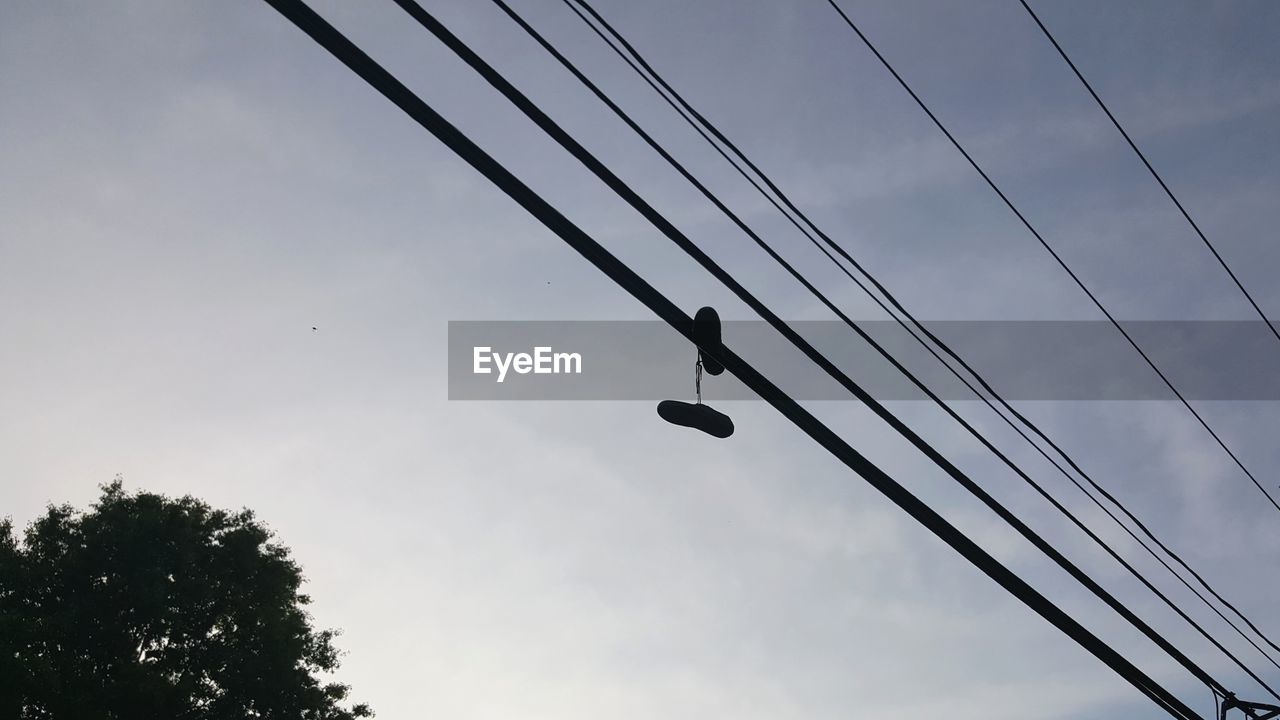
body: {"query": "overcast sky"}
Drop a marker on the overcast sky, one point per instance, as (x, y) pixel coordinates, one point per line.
(188, 188)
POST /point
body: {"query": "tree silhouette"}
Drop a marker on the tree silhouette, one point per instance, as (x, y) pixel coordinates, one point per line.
(150, 607)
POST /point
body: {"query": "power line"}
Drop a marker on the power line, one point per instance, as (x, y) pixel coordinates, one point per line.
(1054, 254)
(1177, 203)
(698, 122)
(376, 76)
(648, 139)
(531, 110)
(866, 41)
(1141, 156)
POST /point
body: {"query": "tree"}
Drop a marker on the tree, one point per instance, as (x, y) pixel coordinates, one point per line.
(149, 607)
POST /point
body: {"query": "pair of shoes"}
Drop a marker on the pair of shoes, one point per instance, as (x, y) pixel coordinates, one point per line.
(706, 335)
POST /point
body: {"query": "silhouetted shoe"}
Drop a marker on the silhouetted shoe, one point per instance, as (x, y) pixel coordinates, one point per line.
(696, 415)
(706, 335)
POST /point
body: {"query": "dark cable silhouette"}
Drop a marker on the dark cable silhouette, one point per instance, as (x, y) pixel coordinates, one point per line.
(698, 122)
(1142, 156)
(1194, 226)
(871, 341)
(1080, 283)
(1054, 253)
(557, 133)
(376, 76)
(653, 144)
(1164, 186)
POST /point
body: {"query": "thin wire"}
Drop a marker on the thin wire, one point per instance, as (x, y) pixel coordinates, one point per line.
(376, 76)
(685, 110)
(732, 216)
(701, 122)
(1054, 253)
(557, 133)
(1141, 156)
(1037, 235)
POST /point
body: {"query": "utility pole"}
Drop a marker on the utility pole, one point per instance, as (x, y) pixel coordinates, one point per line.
(1252, 710)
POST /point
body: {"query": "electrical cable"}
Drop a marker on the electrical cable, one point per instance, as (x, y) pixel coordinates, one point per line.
(522, 102)
(697, 121)
(871, 341)
(376, 76)
(1147, 163)
(1054, 254)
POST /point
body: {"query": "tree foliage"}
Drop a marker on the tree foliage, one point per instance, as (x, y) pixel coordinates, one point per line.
(150, 607)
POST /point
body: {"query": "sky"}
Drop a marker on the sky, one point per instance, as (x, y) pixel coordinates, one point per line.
(189, 188)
